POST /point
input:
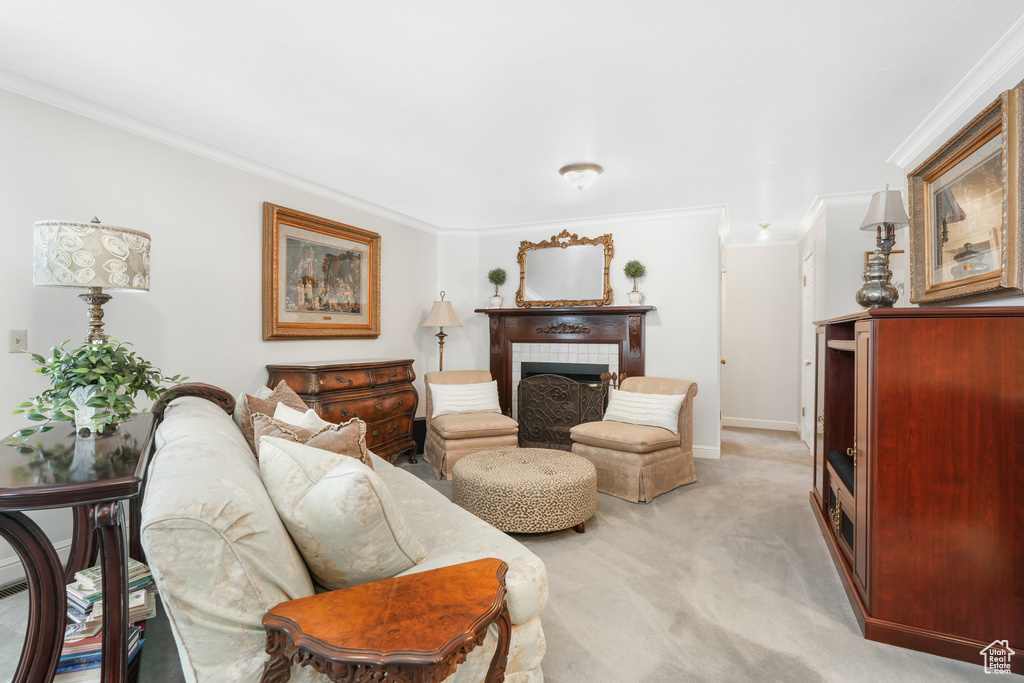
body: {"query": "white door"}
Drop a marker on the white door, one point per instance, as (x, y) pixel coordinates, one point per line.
(807, 340)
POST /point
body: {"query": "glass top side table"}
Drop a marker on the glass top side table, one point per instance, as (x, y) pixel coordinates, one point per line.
(94, 476)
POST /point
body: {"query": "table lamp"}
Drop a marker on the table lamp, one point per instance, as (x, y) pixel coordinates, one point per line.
(442, 316)
(886, 213)
(92, 256)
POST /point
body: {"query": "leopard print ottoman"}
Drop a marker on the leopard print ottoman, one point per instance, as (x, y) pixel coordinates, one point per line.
(526, 490)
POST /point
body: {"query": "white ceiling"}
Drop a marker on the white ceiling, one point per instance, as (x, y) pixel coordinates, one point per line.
(459, 113)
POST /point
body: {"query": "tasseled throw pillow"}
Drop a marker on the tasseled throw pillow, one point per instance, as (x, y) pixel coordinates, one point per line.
(344, 439)
(252, 404)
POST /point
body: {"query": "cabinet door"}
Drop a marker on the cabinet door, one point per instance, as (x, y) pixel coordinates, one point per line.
(862, 453)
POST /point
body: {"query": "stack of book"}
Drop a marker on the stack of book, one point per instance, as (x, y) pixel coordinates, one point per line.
(80, 660)
(81, 657)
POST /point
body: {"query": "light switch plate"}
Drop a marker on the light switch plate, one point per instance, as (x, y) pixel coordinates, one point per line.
(17, 341)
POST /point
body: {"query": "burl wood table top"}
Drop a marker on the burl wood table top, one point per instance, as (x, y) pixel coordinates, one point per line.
(421, 616)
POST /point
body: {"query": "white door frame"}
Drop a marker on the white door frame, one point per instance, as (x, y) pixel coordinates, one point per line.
(807, 342)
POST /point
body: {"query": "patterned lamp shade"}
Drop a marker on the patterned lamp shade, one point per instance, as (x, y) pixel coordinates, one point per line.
(91, 255)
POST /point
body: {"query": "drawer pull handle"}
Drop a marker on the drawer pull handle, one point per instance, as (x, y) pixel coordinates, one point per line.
(393, 430)
(379, 406)
(376, 432)
(393, 375)
(340, 379)
(400, 401)
(344, 412)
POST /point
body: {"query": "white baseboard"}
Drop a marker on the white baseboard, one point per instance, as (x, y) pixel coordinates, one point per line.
(11, 569)
(751, 423)
(707, 452)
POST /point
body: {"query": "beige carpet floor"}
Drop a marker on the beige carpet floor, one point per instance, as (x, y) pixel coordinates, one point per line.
(727, 579)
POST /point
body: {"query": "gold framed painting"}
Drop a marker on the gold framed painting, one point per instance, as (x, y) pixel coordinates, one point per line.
(965, 211)
(321, 278)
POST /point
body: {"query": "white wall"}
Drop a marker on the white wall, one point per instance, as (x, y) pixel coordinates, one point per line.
(202, 316)
(681, 255)
(760, 337)
(459, 273)
(844, 259)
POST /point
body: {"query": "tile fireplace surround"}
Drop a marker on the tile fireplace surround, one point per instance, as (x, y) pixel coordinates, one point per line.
(548, 352)
(612, 335)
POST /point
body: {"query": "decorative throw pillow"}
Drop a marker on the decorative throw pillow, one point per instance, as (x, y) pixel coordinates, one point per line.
(344, 439)
(236, 414)
(464, 398)
(306, 420)
(339, 513)
(654, 410)
(282, 393)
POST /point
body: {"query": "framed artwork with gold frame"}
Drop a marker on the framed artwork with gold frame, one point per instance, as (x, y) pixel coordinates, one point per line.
(321, 278)
(966, 211)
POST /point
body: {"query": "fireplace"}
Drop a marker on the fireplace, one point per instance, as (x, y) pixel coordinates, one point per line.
(550, 405)
(607, 335)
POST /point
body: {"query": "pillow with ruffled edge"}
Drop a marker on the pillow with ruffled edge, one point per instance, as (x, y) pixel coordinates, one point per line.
(340, 514)
(479, 397)
(653, 410)
(348, 438)
(236, 414)
(282, 393)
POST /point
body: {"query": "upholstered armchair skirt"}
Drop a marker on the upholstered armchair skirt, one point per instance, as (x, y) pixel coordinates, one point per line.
(639, 462)
(454, 436)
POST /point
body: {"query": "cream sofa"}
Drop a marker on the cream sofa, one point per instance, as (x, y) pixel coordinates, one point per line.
(221, 556)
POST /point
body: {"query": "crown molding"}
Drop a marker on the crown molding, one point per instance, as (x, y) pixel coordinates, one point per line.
(63, 99)
(594, 221)
(961, 102)
(823, 201)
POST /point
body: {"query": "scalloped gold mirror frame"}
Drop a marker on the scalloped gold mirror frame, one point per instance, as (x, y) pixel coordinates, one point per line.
(563, 240)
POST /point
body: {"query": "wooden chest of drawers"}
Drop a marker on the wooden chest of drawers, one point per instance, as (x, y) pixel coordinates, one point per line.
(378, 392)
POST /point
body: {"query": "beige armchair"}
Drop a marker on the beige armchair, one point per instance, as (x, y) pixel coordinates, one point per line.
(637, 462)
(450, 437)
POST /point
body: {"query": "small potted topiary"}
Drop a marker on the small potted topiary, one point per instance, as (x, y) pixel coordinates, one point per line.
(496, 276)
(634, 269)
(95, 385)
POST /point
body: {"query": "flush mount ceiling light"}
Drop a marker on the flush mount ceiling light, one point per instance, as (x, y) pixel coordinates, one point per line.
(580, 175)
(762, 234)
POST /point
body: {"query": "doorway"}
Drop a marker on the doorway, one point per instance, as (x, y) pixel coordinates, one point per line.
(807, 341)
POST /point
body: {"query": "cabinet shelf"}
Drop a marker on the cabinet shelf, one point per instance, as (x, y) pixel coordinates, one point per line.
(843, 345)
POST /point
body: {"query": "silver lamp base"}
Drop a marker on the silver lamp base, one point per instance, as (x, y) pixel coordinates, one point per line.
(877, 291)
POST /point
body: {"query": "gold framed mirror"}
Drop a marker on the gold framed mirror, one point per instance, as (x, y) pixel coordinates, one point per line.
(566, 270)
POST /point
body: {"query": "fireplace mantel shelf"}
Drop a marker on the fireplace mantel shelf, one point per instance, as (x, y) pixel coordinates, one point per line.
(622, 326)
(570, 311)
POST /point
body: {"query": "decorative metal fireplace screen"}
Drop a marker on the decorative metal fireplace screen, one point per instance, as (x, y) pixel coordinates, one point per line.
(551, 405)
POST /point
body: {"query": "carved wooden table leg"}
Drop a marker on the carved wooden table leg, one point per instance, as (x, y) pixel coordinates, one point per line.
(108, 522)
(496, 672)
(44, 636)
(278, 669)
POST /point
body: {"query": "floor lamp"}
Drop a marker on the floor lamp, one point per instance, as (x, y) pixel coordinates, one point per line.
(442, 316)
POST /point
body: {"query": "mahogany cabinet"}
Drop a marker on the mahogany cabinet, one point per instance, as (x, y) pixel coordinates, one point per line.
(918, 481)
(378, 392)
